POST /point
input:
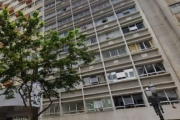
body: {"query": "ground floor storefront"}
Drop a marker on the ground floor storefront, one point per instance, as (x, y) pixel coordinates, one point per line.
(142, 113)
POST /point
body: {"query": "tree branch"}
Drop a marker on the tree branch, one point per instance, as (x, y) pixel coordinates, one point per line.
(19, 90)
(48, 105)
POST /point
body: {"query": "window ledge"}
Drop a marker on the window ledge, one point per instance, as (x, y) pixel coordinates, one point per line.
(110, 39)
(125, 88)
(110, 83)
(116, 57)
(96, 93)
(93, 86)
(147, 62)
(98, 97)
(129, 15)
(153, 76)
(144, 51)
(162, 83)
(143, 29)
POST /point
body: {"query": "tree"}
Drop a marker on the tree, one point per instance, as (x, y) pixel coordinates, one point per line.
(29, 59)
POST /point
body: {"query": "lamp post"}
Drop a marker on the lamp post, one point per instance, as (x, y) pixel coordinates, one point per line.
(153, 98)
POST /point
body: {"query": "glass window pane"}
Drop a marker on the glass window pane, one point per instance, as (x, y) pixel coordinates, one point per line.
(162, 96)
(120, 14)
(141, 45)
(57, 109)
(72, 107)
(86, 81)
(65, 108)
(122, 51)
(141, 70)
(114, 52)
(132, 10)
(98, 104)
(150, 68)
(80, 106)
(94, 80)
(131, 74)
(106, 54)
(159, 67)
(106, 103)
(52, 108)
(147, 44)
(126, 12)
(90, 105)
(125, 30)
(172, 94)
(140, 25)
(138, 99)
(133, 48)
(128, 100)
(118, 101)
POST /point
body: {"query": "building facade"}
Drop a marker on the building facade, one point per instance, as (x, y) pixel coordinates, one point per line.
(14, 109)
(137, 42)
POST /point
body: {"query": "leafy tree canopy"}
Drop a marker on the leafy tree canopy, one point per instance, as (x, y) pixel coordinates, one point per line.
(29, 58)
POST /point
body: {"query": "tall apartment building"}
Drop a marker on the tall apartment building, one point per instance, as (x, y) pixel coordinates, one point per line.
(137, 42)
(13, 109)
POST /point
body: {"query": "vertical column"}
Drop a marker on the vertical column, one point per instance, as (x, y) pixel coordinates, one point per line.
(101, 56)
(130, 56)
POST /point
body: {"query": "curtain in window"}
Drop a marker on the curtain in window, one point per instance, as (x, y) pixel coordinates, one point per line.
(133, 48)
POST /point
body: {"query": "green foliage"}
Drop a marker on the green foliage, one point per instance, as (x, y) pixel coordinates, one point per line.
(30, 58)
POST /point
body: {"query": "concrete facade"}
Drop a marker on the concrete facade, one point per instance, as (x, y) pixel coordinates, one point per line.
(115, 76)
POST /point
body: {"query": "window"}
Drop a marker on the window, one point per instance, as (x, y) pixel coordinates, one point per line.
(78, 3)
(116, 1)
(90, 41)
(168, 96)
(73, 107)
(86, 26)
(114, 52)
(105, 19)
(94, 80)
(121, 75)
(132, 28)
(53, 110)
(99, 105)
(126, 12)
(150, 69)
(175, 8)
(63, 21)
(100, 6)
(141, 46)
(128, 101)
(79, 15)
(109, 35)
